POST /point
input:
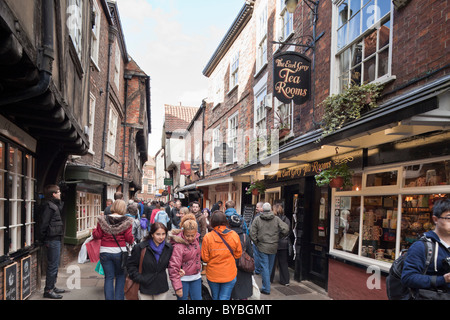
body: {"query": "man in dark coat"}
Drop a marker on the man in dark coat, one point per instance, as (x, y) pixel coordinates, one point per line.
(51, 232)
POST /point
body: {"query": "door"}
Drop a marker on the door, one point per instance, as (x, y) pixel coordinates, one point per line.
(313, 215)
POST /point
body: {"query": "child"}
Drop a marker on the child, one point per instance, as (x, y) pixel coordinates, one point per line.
(144, 225)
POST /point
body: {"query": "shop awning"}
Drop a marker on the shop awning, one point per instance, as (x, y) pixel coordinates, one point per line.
(187, 187)
(185, 168)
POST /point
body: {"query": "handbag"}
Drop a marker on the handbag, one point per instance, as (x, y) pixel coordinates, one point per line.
(123, 255)
(430, 294)
(245, 262)
(131, 288)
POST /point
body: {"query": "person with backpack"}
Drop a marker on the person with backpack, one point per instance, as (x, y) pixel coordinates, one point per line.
(425, 276)
(144, 225)
(161, 216)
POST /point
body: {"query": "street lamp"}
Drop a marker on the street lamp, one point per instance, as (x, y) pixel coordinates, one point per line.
(291, 5)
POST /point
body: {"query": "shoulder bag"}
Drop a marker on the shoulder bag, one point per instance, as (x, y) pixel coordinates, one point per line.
(124, 254)
(245, 263)
(131, 288)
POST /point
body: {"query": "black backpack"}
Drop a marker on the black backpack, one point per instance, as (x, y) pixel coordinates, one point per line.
(395, 289)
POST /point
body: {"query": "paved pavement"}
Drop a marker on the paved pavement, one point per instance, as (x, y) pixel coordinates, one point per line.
(81, 282)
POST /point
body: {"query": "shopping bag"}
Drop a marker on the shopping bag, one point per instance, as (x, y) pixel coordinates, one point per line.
(93, 250)
(83, 255)
(256, 294)
(99, 269)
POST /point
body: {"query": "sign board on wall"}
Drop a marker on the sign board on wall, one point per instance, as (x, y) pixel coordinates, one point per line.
(10, 282)
(291, 77)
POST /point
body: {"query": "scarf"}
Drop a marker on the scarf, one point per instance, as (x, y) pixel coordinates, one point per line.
(157, 250)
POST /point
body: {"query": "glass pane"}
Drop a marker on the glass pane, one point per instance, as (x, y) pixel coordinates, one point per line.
(384, 34)
(355, 6)
(417, 212)
(430, 174)
(356, 75)
(346, 223)
(356, 54)
(370, 44)
(354, 27)
(383, 63)
(12, 164)
(2, 185)
(2, 163)
(343, 13)
(369, 15)
(379, 227)
(342, 37)
(356, 183)
(369, 70)
(384, 6)
(344, 60)
(19, 161)
(379, 179)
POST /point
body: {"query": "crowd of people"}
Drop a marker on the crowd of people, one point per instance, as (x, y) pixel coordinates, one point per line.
(183, 243)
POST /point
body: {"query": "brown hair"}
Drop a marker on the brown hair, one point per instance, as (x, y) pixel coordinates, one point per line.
(188, 222)
(278, 209)
(119, 207)
(218, 218)
(49, 190)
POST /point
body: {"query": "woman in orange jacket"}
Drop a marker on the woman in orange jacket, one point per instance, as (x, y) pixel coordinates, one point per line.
(220, 248)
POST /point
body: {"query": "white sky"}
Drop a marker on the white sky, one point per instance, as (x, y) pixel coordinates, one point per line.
(172, 41)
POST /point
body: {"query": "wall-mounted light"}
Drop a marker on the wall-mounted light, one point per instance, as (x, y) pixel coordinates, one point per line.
(291, 5)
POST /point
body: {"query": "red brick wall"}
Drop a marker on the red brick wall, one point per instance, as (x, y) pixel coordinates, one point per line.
(421, 42)
(347, 282)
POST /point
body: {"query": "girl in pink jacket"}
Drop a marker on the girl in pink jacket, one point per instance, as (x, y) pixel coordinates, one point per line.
(186, 256)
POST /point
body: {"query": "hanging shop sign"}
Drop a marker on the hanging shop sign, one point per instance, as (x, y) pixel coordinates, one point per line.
(291, 77)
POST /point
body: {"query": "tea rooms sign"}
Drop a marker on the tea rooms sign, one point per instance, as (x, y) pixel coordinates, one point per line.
(291, 77)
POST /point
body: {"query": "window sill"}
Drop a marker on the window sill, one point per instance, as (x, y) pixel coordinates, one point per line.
(233, 89)
(263, 67)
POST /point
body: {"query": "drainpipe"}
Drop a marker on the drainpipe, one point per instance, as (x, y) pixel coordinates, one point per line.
(112, 32)
(45, 59)
(203, 137)
(127, 77)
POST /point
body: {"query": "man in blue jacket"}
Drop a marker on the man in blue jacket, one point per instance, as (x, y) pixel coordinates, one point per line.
(438, 273)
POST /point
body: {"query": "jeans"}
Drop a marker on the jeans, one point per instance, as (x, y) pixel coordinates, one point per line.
(53, 256)
(111, 267)
(256, 257)
(221, 291)
(192, 289)
(267, 262)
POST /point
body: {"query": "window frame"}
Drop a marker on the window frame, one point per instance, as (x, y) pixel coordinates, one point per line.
(339, 78)
(232, 135)
(112, 130)
(234, 71)
(398, 190)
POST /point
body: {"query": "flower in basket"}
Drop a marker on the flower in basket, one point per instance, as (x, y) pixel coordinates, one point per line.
(336, 177)
(256, 186)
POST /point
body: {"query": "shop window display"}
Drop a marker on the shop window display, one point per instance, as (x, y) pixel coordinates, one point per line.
(389, 211)
(380, 227)
(346, 223)
(430, 174)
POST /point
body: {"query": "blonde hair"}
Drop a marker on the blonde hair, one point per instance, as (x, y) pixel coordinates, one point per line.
(188, 222)
(119, 207)
(184, 210)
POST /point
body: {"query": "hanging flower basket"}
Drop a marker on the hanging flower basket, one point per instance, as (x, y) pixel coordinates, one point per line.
(336, 177)
(256, 188)
(337, 182)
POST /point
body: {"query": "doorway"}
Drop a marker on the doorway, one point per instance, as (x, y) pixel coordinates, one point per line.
(312, 230)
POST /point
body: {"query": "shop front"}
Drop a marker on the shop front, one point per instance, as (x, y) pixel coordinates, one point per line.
(388, 208)
(17, 221)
